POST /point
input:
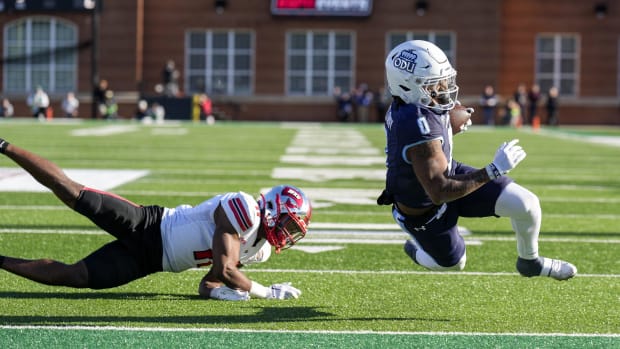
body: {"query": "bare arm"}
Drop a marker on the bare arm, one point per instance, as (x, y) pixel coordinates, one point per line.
(430, 166)
(225, 248)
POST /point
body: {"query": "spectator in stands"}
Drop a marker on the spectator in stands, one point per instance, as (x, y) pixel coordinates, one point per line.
(141, 110)
(363, 99)
(533, 99)
(6, 108)
(39, 103)
(488, 102)
(157, 112)
(70, 105)
(100, 97)
(520, 97)
(170, 79)
(382, 101)
(206, 108)
(109, 108)
(344, 103)
(514, 113)
(551, 105)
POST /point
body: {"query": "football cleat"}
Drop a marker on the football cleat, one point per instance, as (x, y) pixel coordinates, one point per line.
(553, 268)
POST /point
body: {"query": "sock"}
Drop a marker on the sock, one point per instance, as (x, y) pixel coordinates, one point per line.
(529, 267)
(523, 208)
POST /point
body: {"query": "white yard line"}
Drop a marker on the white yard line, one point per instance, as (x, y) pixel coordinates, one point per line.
(350, 236)
(232, 330)
(401, 272)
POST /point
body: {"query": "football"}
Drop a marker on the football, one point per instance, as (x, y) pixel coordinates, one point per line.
(460, 118)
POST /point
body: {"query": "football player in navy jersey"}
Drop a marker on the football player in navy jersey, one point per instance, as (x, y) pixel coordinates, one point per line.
(224, 232)
(429, 190)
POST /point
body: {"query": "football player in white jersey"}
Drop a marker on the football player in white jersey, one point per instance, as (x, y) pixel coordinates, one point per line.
(224, 233)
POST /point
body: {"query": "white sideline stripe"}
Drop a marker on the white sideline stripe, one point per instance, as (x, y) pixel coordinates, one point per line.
(402, 272)
(343, 237)
(233, 330)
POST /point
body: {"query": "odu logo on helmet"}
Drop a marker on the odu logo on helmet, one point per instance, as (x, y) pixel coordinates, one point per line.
(406, 61)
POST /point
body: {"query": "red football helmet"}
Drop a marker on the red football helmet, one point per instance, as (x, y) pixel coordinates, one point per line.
(285, 212)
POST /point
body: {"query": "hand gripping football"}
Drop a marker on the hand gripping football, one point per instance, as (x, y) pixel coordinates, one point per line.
(460, 118)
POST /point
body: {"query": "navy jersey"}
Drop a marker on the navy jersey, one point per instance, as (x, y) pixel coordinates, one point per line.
(407, 125)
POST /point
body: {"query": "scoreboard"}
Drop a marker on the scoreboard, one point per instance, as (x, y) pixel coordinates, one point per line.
(48, 5)
(346, 8)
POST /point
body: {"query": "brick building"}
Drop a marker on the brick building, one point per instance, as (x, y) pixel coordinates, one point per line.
(261, 62)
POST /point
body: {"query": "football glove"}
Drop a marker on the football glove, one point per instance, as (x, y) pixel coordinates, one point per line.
(284, 291)
(228, 294)
(468, 123)
(507, 157)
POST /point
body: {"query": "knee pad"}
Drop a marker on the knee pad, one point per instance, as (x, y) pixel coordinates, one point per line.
(517, 202)
(429, 263)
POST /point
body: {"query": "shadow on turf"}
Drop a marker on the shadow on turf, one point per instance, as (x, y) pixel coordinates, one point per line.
(96, 295)
(261, 314)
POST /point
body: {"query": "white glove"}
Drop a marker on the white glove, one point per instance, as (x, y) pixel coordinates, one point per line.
(283, 291)
(507, 157)
(228, 294)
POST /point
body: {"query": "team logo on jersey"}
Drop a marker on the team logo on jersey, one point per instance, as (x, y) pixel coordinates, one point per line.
(406, 61)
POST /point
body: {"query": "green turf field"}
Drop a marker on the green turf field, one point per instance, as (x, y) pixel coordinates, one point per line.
(359, 289)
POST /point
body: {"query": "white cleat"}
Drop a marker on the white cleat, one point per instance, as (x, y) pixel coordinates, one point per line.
(557, 269)
(553, 268)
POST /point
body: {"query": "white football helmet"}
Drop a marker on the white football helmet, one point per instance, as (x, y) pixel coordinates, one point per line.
(285, 212)
(419, 72)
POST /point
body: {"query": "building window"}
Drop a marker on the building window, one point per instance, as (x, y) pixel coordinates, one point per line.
(316, 62)
(557, 63)
(40, 51)
(219, 62)
(445, 41)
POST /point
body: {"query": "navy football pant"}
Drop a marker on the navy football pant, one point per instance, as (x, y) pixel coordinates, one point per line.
(437, 232)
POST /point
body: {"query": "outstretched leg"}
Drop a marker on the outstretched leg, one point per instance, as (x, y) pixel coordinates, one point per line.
(45, 271)
(45, 172)
(524, 211)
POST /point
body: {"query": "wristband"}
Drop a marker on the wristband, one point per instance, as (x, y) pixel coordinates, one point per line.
(3, 145)
(492, 171)
(259, 291)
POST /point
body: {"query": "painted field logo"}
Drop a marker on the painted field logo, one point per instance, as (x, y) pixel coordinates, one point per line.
(406, 61)
(18, 180)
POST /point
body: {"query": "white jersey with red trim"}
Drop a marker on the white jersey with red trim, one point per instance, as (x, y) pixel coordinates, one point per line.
(187, 232)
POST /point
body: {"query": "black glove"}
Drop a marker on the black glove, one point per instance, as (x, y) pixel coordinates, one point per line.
(385, 198)
(3, 145)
